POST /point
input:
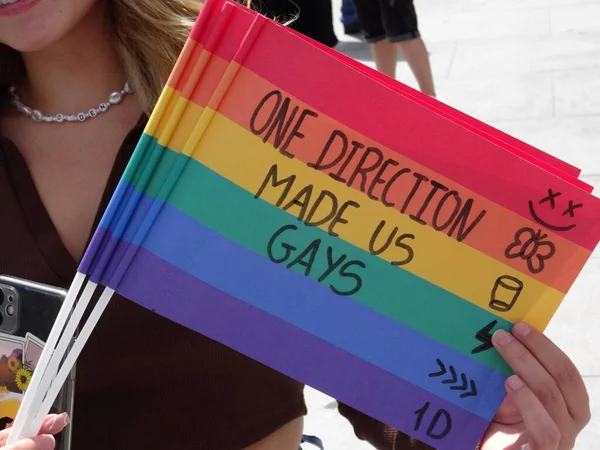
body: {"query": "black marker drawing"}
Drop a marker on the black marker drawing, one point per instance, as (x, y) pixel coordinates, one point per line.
(505, 293)
(532, 247)
(465, 384)
(485, 337)
(551, 201)
(431, 430)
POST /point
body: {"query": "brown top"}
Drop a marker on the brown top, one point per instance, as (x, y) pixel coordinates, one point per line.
(163, 385)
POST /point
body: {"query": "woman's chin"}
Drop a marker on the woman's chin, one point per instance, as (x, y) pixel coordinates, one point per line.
(39, 24)
(32, 42)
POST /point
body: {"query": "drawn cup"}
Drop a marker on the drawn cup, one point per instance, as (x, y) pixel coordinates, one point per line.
(505, 293)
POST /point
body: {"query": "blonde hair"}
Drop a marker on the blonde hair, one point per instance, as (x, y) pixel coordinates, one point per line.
(149, 35)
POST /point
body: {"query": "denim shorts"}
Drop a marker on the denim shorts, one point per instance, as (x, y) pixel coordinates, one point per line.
(394, 20)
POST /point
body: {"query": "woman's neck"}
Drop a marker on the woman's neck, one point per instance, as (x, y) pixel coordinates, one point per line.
(76, 73)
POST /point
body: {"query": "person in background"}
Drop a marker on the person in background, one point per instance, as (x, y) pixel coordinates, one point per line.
(312, 18)
(350, 18)
(389, 26)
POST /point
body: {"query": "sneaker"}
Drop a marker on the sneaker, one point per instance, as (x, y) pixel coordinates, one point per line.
(312, 440)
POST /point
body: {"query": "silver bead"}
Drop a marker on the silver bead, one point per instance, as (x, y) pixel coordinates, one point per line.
(59, 118)
(71, 118)
(47, 118)
(27, 110)
(115, 98)
(36, 115)
(127, 89)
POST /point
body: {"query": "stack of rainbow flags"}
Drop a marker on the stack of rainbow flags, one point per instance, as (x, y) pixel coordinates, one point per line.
(336, 226)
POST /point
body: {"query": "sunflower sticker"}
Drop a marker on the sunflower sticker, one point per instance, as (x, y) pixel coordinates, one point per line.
(22, 378)
(14, 363)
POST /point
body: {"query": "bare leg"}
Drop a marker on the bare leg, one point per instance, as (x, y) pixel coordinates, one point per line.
(385, 55)
(287, 437)
(416, 55)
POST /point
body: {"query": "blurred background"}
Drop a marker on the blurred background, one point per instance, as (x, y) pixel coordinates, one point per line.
(532, 69)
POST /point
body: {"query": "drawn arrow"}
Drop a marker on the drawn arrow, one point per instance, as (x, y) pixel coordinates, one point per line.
(473, 392)
(442, 369)
(466, 384)
(450, 380)
(484, 336)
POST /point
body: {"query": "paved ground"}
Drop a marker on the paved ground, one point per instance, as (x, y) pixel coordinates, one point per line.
(532, 69)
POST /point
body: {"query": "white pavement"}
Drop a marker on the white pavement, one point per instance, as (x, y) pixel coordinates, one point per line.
(532, 69)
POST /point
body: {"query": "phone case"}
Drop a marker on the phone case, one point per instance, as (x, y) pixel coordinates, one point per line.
(27, 313)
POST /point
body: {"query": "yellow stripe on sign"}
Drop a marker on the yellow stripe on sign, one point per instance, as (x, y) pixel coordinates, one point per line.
(159, 113)
(184, 128)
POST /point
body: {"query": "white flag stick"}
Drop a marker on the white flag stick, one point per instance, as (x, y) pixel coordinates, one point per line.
(65, 369)
(60, 351)
(45, 357)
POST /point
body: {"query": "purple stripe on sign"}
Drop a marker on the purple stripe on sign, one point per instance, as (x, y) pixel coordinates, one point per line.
(196, 305)
(101, 235)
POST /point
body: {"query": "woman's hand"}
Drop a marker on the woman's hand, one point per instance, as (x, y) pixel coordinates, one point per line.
(547, 404)
(53, 424)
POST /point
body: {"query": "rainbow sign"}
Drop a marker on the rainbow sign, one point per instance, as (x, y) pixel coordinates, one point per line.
(340, 227)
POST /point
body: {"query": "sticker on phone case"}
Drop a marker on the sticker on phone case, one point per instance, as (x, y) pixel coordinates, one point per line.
(14, 377)
(33, 351)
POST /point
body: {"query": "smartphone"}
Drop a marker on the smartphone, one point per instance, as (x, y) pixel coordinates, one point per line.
(28, 311)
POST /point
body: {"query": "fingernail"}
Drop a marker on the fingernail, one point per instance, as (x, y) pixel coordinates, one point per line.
(49, 420)
(514, 383)
(526, 446)
(54, 423)
(521, 328)
(44, 442)
(66, 419)
(502, 337)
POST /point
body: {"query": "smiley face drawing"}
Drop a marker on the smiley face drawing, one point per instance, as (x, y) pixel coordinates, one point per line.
(551, 201)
